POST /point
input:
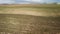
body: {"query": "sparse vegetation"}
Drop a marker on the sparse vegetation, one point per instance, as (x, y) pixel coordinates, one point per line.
(12, 19)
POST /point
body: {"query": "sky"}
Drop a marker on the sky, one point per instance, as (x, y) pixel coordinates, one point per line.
(26, 1)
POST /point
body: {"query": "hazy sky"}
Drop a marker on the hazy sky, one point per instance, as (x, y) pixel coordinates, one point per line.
(27, 1)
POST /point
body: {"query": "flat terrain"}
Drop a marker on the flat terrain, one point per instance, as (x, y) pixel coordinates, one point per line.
(25, 24)
(35, 10)
(29, 19)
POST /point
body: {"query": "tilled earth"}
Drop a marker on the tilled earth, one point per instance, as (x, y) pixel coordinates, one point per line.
(28, 24)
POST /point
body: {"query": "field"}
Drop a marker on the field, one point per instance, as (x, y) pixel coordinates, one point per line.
(36, 10)
(30, 19)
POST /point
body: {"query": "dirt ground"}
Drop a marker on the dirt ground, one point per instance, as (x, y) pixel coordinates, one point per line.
(32, 11)
(28, 24)
(29, 20)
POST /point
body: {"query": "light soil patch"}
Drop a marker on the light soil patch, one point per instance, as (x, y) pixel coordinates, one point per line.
(29, 11)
